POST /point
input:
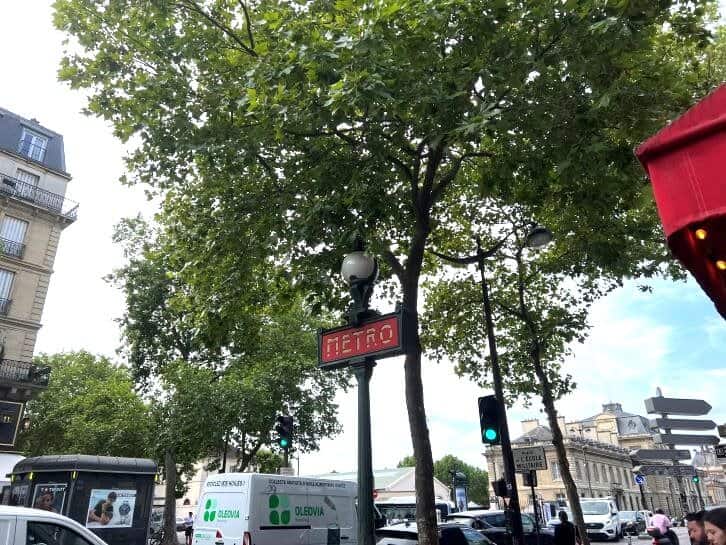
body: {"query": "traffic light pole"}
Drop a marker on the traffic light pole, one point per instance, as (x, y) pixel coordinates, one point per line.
(507, 455)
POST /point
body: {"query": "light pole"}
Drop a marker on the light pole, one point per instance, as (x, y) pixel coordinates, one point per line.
(537, 237)
(360, 271)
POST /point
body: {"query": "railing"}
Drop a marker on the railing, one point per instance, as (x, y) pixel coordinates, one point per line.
(45, 199)
(5, 306)
(11, 247)
(24, 373)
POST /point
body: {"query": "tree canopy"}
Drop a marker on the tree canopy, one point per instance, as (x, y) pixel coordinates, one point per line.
(89, 407)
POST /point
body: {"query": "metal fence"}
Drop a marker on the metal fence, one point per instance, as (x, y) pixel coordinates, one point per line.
(11, 247)
(54, 202)
(24, 372)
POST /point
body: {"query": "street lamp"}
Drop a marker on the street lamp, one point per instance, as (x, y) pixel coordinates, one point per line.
(537, 237)
(360, 271)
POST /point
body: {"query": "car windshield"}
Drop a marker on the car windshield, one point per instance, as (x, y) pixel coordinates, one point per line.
(595, 508)
(627, 515)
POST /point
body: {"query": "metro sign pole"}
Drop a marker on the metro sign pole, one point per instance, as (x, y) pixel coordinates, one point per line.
(367, 336)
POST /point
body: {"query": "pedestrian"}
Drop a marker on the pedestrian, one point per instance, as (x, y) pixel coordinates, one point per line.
(189, 528)
(660, 521)
(696, 531)
(565, 531)
(714, 522)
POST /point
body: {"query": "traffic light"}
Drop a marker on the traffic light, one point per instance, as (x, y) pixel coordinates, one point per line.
(284, 430)
(696, 479)
(490, 420)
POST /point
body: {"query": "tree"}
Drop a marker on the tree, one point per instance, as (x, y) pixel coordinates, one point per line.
(286, 129)
(478, 479)
(216, 382)
(267, 461)
(89, 407)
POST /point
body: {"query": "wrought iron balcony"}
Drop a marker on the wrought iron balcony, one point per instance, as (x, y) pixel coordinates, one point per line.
(24, 373)
(24, 191)
(10, 247)
(5, 306)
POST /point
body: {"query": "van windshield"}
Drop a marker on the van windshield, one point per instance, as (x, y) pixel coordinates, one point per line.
(595, 508)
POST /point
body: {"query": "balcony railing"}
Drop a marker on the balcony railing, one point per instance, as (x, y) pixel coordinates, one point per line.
(5, 306)
(24, 191)
(10, 247)
(25, 373)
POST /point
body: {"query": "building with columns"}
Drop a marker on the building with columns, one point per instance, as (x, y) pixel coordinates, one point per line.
(598, 451)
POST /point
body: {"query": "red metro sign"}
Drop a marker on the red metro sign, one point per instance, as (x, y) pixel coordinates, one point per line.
(380, 337)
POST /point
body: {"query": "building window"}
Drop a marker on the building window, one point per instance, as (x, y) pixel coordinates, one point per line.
(12, 235)
(6, 284)
(555, 468)
(33, 145)
(578, 470)
(612, 475)
(627, 481)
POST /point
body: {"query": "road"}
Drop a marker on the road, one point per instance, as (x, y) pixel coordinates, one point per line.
(681, 532)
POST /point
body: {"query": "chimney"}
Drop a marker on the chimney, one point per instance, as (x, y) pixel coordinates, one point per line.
(612, 408)
(529, 425)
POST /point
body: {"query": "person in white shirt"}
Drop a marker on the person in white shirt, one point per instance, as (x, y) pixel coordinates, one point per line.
(189, 528)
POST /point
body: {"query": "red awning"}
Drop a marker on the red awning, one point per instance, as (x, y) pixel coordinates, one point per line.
(686, 162)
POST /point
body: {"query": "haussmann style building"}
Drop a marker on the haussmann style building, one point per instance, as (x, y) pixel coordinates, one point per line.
(34, 211)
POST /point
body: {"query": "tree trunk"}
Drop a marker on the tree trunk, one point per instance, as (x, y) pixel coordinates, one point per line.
(425, 502)
(170, 499)
(557, 439)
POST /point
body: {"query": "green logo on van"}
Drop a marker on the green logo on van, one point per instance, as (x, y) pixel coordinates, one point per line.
(210, 510)
(211, 513)
(279, 509)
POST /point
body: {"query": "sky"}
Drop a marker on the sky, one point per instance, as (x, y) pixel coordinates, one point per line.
(672, 338)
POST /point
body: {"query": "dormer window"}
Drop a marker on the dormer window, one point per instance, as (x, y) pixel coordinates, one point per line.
(33, 145)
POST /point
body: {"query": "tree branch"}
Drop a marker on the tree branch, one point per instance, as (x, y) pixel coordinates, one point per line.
(449, 176)
(248, 23)
(395, 265)
(192, 6)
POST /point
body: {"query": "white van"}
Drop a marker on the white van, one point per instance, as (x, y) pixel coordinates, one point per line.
(602, 518)
(257, 509)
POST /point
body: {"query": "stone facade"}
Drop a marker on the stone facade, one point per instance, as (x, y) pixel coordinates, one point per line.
(33, 213)
(598, 451)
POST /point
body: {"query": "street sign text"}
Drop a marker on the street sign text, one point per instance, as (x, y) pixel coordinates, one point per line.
(660, 454)
(380, 337)
(529, 458)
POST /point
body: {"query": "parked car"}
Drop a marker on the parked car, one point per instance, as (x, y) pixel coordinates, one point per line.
(493, 524)
(632, 522)
(406, 533)
(36, 527)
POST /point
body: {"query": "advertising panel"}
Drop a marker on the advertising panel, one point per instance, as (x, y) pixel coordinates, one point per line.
(111, 508)
(50, 497)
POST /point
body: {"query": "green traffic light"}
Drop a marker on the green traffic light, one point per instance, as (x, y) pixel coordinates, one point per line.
(696, 479)
(490, 434)
(284, 443)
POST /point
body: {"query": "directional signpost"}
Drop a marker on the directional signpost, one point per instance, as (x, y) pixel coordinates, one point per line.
(681, 407)
(663, 470)
(660, 454)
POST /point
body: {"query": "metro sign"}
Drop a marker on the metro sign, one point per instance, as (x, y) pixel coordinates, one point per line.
(380, 337)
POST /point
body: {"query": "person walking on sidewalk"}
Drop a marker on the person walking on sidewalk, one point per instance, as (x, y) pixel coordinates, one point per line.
(565, 532)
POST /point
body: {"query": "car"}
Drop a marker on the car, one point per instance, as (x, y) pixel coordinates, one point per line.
(632, 522)
(493, 524)
(406, 533)
(35, 527)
